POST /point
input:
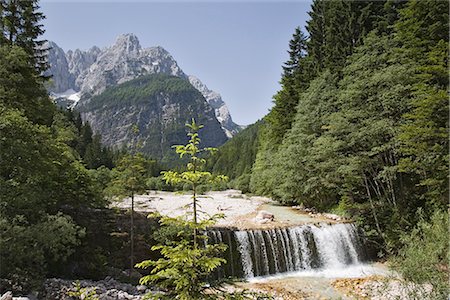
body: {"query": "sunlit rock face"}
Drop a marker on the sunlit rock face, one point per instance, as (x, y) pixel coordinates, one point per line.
(88, 73)
(159, 105)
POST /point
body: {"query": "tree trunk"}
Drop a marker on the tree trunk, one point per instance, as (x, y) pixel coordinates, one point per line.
(194, 198)
(369, 195)
(132, 235)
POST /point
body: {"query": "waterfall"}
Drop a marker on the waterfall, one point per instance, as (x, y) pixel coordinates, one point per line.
(253, 253)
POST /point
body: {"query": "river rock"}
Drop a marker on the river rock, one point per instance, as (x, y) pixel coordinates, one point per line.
(7, 296)
(107, 289)
(264, 217)
(141, 288)
(332, 217)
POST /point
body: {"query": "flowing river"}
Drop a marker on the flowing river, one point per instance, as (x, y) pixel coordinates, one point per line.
(264, 252)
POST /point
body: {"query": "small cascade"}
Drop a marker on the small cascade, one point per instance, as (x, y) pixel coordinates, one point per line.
(262, 252)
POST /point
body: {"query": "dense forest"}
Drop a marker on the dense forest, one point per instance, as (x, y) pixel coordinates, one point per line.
(360, 124)
(359, 127)
(52, 166)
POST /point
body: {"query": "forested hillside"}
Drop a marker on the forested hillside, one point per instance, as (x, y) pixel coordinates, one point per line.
(360, 125)
(237, 156)
(159, 105)
(359, 128)
(48, 166)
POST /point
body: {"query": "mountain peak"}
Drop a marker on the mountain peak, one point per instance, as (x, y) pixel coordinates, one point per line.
(127, 42)
(90, 72)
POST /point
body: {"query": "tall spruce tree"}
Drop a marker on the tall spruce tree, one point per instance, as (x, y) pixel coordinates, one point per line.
(316, 30)
(295, 79)
(337, 27)
(21, 27)
(297, 51)
(2, 22)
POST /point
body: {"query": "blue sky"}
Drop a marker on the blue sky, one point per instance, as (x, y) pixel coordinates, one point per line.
(236, 48)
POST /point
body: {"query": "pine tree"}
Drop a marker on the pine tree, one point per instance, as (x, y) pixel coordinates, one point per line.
(297, 51)
(2, 23)
(187, 262)
(297, 74)
(317, 31)
(21, 27)
(129, 181)
(337, 27)
(20, 87)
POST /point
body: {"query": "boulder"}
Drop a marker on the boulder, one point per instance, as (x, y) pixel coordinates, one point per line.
(264, 217)
(7, 296)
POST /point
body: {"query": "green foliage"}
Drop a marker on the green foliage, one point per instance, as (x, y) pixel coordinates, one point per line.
(129, 179)
(262, 176)
(370, 134)
(236, 157)
(40, 174)
(423, 136)
(337, 27)
(20, 27)
(82, 293)
(185, 267)
(38, 171)
(129, 176)
(296, 77)
(20, 87)
(424, 258)
(194, 175)
(28, 250)
(102, 178)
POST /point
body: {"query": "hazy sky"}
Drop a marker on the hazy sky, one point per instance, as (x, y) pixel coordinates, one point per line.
(236, 48)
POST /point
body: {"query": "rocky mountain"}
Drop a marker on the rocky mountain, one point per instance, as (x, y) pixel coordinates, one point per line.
(62, 78)
(89, 73)
(221, 110)
(159, 105)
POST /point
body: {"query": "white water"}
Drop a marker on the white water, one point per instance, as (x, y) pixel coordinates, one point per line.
(351, 271)
(327, 250)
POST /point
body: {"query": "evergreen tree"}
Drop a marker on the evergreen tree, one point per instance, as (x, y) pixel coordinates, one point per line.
(188, 261)
(2, 23)
(128, 181)
(317, 31)
(20, 87)
(297, 74)
(21, 27)
(337, 27)
(236, 157)
(391, 14)
(297, 51)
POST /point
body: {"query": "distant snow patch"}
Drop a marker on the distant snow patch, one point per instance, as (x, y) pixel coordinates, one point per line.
(70, 95)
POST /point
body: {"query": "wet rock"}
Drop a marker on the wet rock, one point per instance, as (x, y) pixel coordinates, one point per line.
(7, 296)
(333, 217)
(264, 217)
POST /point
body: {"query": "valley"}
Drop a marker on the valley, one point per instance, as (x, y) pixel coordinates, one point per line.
(124, 177)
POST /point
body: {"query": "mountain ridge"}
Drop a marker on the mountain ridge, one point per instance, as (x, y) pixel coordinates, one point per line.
(90, 72)
(159, 106)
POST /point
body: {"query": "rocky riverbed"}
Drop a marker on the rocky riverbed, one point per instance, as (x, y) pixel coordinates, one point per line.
(240, 211)
(107, 289)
